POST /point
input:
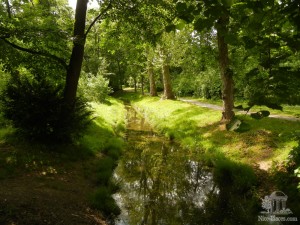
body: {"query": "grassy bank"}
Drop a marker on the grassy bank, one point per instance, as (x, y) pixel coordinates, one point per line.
(267, 140)
(67, 184)
(288, 110)
(241, 161)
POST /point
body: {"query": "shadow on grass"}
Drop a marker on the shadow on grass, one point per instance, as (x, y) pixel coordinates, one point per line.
(93, 156)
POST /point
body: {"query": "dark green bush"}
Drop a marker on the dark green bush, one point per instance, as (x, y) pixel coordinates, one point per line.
(36, 108)
(239, 177)
(103, 201)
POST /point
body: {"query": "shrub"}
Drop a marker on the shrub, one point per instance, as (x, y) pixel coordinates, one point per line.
(36, 108)
(293, 166)
(103, 201)
(94, 88)
(241, 178)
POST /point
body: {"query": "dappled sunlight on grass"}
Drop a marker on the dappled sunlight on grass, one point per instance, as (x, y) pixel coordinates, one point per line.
(72, 174)
(108, 123)
(5, 132)
(268, 139)
(288, 110)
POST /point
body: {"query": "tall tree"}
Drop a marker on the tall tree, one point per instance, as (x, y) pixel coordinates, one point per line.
(76, 59)
(153, 91)
(165, 60)
(15, 35)
(34, 37)
(226, 71)
(206, 15)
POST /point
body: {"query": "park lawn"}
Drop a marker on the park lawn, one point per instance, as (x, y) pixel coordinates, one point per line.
(268, 140)
(67, 184)
(288, 110)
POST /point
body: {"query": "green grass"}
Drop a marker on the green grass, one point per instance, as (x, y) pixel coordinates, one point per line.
(107, 128)
(93, 157)
(203, 140)
(232, 156)
(5, 129)
(288, 110)
(194, 127)
(103, 135)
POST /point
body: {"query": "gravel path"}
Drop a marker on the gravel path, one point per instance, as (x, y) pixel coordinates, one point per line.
(216, 107)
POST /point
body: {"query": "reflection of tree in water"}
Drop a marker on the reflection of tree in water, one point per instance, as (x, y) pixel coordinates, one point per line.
(163, 186)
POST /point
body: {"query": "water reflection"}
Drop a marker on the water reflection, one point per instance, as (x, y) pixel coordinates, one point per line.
(163, 184)
(160, 183)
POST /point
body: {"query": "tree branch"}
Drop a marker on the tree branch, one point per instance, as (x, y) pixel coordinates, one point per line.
(31, 51)
(98, 17)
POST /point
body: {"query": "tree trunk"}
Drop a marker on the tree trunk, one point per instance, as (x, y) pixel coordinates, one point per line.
(135, 84)
(226, 72)
(153, 91)
(8, 9)
(168, 93)
(142, 84)
(77, 53)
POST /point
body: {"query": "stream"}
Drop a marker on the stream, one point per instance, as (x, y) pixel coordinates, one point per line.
(160, 183)
(163, 184)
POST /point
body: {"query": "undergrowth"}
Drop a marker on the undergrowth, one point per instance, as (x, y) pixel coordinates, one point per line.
(94, 155)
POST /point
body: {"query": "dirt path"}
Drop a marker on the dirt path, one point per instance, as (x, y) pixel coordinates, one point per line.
(46, 194)
(216, 107)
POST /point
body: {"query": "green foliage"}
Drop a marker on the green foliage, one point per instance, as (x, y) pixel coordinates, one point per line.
(4, 77)
(36, 108)
(196, 127)
(286, 175)
(113, 148)
(104, 170)
(239, 176)
(294, 157)
(103, 201)
(43, 29)
(272, 89)
(109, 124)
(94, 88)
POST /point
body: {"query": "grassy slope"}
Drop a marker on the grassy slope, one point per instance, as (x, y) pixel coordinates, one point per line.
(196, 127)
(69, 175)
(109, 122)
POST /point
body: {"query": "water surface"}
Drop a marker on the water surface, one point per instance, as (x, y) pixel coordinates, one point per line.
(161, 184)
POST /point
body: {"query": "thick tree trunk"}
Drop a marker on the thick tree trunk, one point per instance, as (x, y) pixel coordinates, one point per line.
(168, 93)
(77, 53)
(226, 73)
(153, 91)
